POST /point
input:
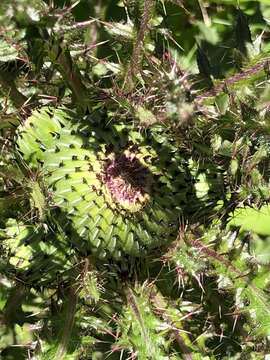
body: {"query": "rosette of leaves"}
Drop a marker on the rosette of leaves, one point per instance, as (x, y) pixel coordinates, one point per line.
(122, 189)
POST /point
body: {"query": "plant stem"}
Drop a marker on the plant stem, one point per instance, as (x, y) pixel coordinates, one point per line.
(220, 87)
(133, 304)
(161, 305)
(68, 324)
(136, 58)
(60, 56)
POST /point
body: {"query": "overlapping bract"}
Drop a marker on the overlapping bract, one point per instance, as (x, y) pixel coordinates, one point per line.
(73, 155)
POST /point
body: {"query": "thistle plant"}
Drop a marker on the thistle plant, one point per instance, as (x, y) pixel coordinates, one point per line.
(134, 180)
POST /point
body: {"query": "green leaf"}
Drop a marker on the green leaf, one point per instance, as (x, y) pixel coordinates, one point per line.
(222, 103)
(210, 34)
(146, 117)
(125, 31)
(256, 220)
(7, 51)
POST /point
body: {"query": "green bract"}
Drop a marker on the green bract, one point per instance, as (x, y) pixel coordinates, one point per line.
(122, 189)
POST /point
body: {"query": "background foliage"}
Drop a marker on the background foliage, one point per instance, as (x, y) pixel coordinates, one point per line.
(200, 68)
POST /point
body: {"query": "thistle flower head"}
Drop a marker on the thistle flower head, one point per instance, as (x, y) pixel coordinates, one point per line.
(125, 199)
(127, 180)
